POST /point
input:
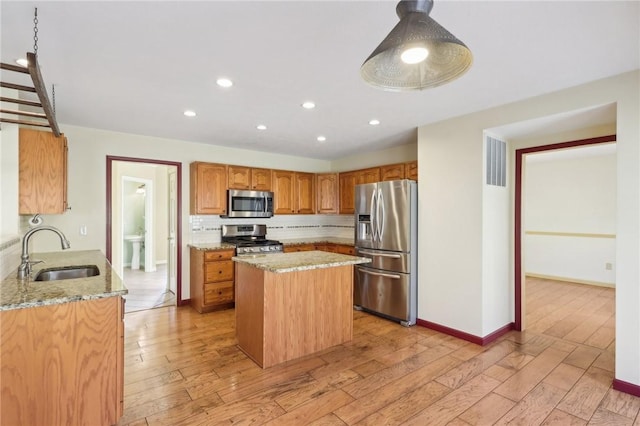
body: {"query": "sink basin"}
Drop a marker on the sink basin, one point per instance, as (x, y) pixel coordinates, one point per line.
(67, 273)
(133, 238)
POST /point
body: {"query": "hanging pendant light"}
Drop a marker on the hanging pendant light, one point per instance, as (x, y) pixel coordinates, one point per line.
(417, 54)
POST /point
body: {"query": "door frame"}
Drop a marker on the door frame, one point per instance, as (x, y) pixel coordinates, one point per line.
(178, 165)
(520, 153)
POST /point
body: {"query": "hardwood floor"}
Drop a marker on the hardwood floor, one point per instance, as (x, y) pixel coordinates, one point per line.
(183, 368)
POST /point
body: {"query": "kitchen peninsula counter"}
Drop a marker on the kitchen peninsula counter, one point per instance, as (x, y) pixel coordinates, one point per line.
(293, 304)
(20, 294)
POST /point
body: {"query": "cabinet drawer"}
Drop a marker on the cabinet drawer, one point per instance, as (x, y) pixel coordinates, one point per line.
(213, 255)
(218, 293)
(218, 271)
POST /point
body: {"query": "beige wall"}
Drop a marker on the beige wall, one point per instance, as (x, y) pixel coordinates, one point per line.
(460, 284)
(399, 154)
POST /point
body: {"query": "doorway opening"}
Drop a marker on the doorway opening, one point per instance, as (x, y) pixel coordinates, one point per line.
(519, 278)
(143, 236)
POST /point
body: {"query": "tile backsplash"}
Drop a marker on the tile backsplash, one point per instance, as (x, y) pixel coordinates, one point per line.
(206, 228)
(10, 252)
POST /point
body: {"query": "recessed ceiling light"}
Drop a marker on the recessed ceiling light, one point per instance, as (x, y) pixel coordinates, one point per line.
(261, 127)
(190, 113)
(374, 122)
(308, 105)
(224, 82)
(22, 62)
(321, 138)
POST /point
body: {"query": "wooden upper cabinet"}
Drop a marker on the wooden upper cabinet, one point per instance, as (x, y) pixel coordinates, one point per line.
(241, 177)
(348, 183)
(305, 193)
(411, 170)
(42, 172)
(327, 193)
(261, 179)
(392, 172)
(371, 175)
(208, 188)
(283, 190)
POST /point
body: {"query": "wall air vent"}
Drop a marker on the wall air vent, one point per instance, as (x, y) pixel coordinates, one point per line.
(496, 165)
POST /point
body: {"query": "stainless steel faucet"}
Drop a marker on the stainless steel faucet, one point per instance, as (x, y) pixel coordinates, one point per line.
(24, 270)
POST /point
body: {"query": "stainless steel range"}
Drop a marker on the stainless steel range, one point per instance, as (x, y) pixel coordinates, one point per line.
(250, 239)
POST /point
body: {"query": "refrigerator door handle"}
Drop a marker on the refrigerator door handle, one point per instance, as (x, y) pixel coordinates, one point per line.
(381, 215)
(371, 253)
(380, 274)
(374, 227)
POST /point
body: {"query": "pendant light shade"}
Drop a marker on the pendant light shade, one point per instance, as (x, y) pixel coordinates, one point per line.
(417, 54)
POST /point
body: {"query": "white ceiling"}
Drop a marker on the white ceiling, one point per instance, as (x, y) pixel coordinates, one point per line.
(134, 67)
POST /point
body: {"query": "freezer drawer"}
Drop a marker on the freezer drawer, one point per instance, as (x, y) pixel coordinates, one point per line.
(387, 260)
(384, 292)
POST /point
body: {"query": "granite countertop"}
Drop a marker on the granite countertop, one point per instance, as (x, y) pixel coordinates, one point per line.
(212, 246)
(19, 294)
(317, 240)
(299, 261)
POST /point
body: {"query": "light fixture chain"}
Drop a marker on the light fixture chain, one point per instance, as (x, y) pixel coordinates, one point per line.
(53, 96)
(35, 32)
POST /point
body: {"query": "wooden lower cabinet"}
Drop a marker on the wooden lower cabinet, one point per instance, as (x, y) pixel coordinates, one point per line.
(63, 364)
(330, 247)
(298, 247)
(212, 286)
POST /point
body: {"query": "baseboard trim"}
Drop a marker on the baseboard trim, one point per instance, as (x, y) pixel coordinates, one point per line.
(184, 302)
(570, 280)
(482, 341)
(626, 387)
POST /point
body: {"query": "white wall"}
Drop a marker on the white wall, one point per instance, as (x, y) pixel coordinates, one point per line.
(570, 196)
(453, 216)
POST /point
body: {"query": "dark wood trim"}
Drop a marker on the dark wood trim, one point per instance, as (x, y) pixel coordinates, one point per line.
(20, 101)
(518, 210)
(41, 90)
(24, 113)
(626, 387)
(466, 336)
(15, 68)
(19, 87)
(178, 165)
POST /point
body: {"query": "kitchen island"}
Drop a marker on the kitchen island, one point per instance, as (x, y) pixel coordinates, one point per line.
(293, 304)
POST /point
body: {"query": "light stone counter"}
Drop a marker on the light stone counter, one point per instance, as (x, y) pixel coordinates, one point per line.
(299, 261)
(19, 294)
(212, 246)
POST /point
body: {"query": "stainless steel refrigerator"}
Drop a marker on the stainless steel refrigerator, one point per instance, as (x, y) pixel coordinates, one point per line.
(386, 216)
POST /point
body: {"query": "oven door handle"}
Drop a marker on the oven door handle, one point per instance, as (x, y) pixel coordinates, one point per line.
(371, 253)
(380, 274)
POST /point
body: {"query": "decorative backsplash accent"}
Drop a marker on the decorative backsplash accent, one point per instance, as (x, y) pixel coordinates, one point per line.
(206, 229)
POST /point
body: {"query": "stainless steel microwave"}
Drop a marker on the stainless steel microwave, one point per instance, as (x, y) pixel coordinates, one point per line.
(242, 203)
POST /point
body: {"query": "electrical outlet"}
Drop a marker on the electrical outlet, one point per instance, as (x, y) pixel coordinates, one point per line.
(608, 266)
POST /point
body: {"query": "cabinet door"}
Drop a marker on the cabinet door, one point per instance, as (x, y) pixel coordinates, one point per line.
(327, 193)
(208, 188)
(371, 175)
(347, 192)
(42, 172)
(261, 179)
(392, 172)
(283, 183)
(305, 193)
(239, 177)
(344, 249)
(411, 170)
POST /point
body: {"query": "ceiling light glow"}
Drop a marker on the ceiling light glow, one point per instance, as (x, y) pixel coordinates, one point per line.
(414, 55)
(321, 138)
(224, 82)
(189, 113)
(308, 105)
(261, 127)
(374, 122)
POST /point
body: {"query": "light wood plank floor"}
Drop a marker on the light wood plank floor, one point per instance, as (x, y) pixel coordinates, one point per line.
(183, 368)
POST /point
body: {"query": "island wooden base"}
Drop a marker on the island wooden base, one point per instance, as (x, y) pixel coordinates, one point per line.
(283, 316)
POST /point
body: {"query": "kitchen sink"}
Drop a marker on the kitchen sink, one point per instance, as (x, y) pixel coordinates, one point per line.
(67, 273)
